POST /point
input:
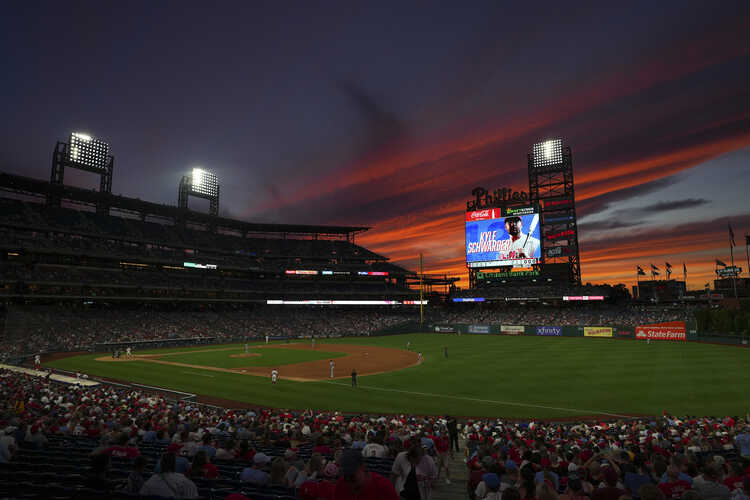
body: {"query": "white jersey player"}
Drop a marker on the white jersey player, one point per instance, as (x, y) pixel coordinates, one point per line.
(408, 346)
(332, 364)
(128, 353)
(419, 358)
(274, 375)
(519, 245)
(246, 348)
(313, 342)
(266, 339)
(37, 361)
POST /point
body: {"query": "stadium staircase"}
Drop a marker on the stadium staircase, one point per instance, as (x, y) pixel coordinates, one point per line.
(459, 475)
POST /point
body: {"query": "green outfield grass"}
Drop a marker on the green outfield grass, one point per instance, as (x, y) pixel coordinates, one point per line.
(502, 376)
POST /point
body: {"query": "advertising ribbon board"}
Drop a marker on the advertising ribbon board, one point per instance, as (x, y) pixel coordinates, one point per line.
(479, 329)
(511, 330)
(445, 329)
(672, 330)
(551, 331)
(597, 331)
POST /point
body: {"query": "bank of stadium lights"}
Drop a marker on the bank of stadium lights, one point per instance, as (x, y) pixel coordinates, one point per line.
(204, 182)
(548, 153)
(87, 151)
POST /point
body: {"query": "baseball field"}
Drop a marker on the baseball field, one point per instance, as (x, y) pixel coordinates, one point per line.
(499, 376)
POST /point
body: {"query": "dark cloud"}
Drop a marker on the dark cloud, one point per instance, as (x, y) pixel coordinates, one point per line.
(604, 225)
(664, 206)
(602, 202)
(383, 127)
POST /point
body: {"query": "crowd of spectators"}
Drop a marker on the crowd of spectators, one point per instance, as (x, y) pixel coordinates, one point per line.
(569, 315)
(47, 329)
(130, 440)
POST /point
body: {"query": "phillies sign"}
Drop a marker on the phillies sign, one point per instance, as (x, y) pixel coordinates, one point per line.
(673, 330)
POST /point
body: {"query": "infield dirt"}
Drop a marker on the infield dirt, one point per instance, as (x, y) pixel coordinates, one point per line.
(366, 360)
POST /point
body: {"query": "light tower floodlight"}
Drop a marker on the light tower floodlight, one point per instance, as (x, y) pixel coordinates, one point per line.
(88, 152)
(548, 153)
(201, 183)
(82, 152)
(204, 182)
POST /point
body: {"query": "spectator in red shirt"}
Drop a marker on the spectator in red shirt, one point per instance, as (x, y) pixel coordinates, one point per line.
(121, 449)
(674, 487)
(202, 467)
(360, 484)
(734, 481)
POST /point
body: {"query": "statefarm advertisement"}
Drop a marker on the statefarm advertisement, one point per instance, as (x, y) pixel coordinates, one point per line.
(671, 330)
(502, 237)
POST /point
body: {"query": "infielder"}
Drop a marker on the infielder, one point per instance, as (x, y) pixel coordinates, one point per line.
(38, 362)
(332, 364)
(274, 375)
(247, 347)
(266, 339)
(313, 342)
(419, 358)
(128, 353)
(408, 346)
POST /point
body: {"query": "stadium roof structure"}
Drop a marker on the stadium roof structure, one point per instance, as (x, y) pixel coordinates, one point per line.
(41, 189)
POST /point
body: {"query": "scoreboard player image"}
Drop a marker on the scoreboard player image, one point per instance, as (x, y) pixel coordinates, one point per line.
(511, 240)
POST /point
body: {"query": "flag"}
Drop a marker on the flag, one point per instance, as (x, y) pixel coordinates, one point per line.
(655, 273)
(720, 263)
(641, 272)
(668, 265)
(654, 268)
(731, 235)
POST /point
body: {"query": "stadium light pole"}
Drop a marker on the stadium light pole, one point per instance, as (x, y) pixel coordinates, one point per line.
(421, 288)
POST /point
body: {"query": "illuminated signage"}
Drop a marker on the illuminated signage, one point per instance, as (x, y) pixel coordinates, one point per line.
(298, 271)
(561, 234)
(511, 274)
(199, 266)
(469, 299)
(344, 302)
(373, 273)
(583, 297)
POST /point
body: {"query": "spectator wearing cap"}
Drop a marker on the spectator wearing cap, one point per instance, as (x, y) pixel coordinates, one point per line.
(168, 483)
(413, 473)
(358, 483)
(574, 488)
(256, 474)
(491, 486)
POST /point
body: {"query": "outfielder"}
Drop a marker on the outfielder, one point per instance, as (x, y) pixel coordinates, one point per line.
(332, 364)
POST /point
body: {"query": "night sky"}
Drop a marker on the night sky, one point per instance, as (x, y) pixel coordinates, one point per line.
(388, 114)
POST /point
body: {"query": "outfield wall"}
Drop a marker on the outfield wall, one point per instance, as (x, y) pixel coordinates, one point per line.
(675, 330)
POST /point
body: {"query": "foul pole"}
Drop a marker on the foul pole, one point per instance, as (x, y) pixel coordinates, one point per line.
(421, 287)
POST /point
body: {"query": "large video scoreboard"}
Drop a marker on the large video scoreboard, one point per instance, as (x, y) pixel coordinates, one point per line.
(503, 237)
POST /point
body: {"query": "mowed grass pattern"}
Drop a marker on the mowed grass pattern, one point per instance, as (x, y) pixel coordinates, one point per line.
(499, 376)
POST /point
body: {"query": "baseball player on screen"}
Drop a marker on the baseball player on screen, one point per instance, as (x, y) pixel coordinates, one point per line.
(522, 246)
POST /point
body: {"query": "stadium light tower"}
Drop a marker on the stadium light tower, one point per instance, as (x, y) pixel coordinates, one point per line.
(201, 183)
(82, 152)
(551, 187)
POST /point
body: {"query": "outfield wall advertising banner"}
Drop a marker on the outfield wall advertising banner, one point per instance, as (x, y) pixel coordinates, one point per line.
(479, 329)
(672, 330)
(597, 331)
(511, 330)
(549, 331)
(445, 329)
(494, 239)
